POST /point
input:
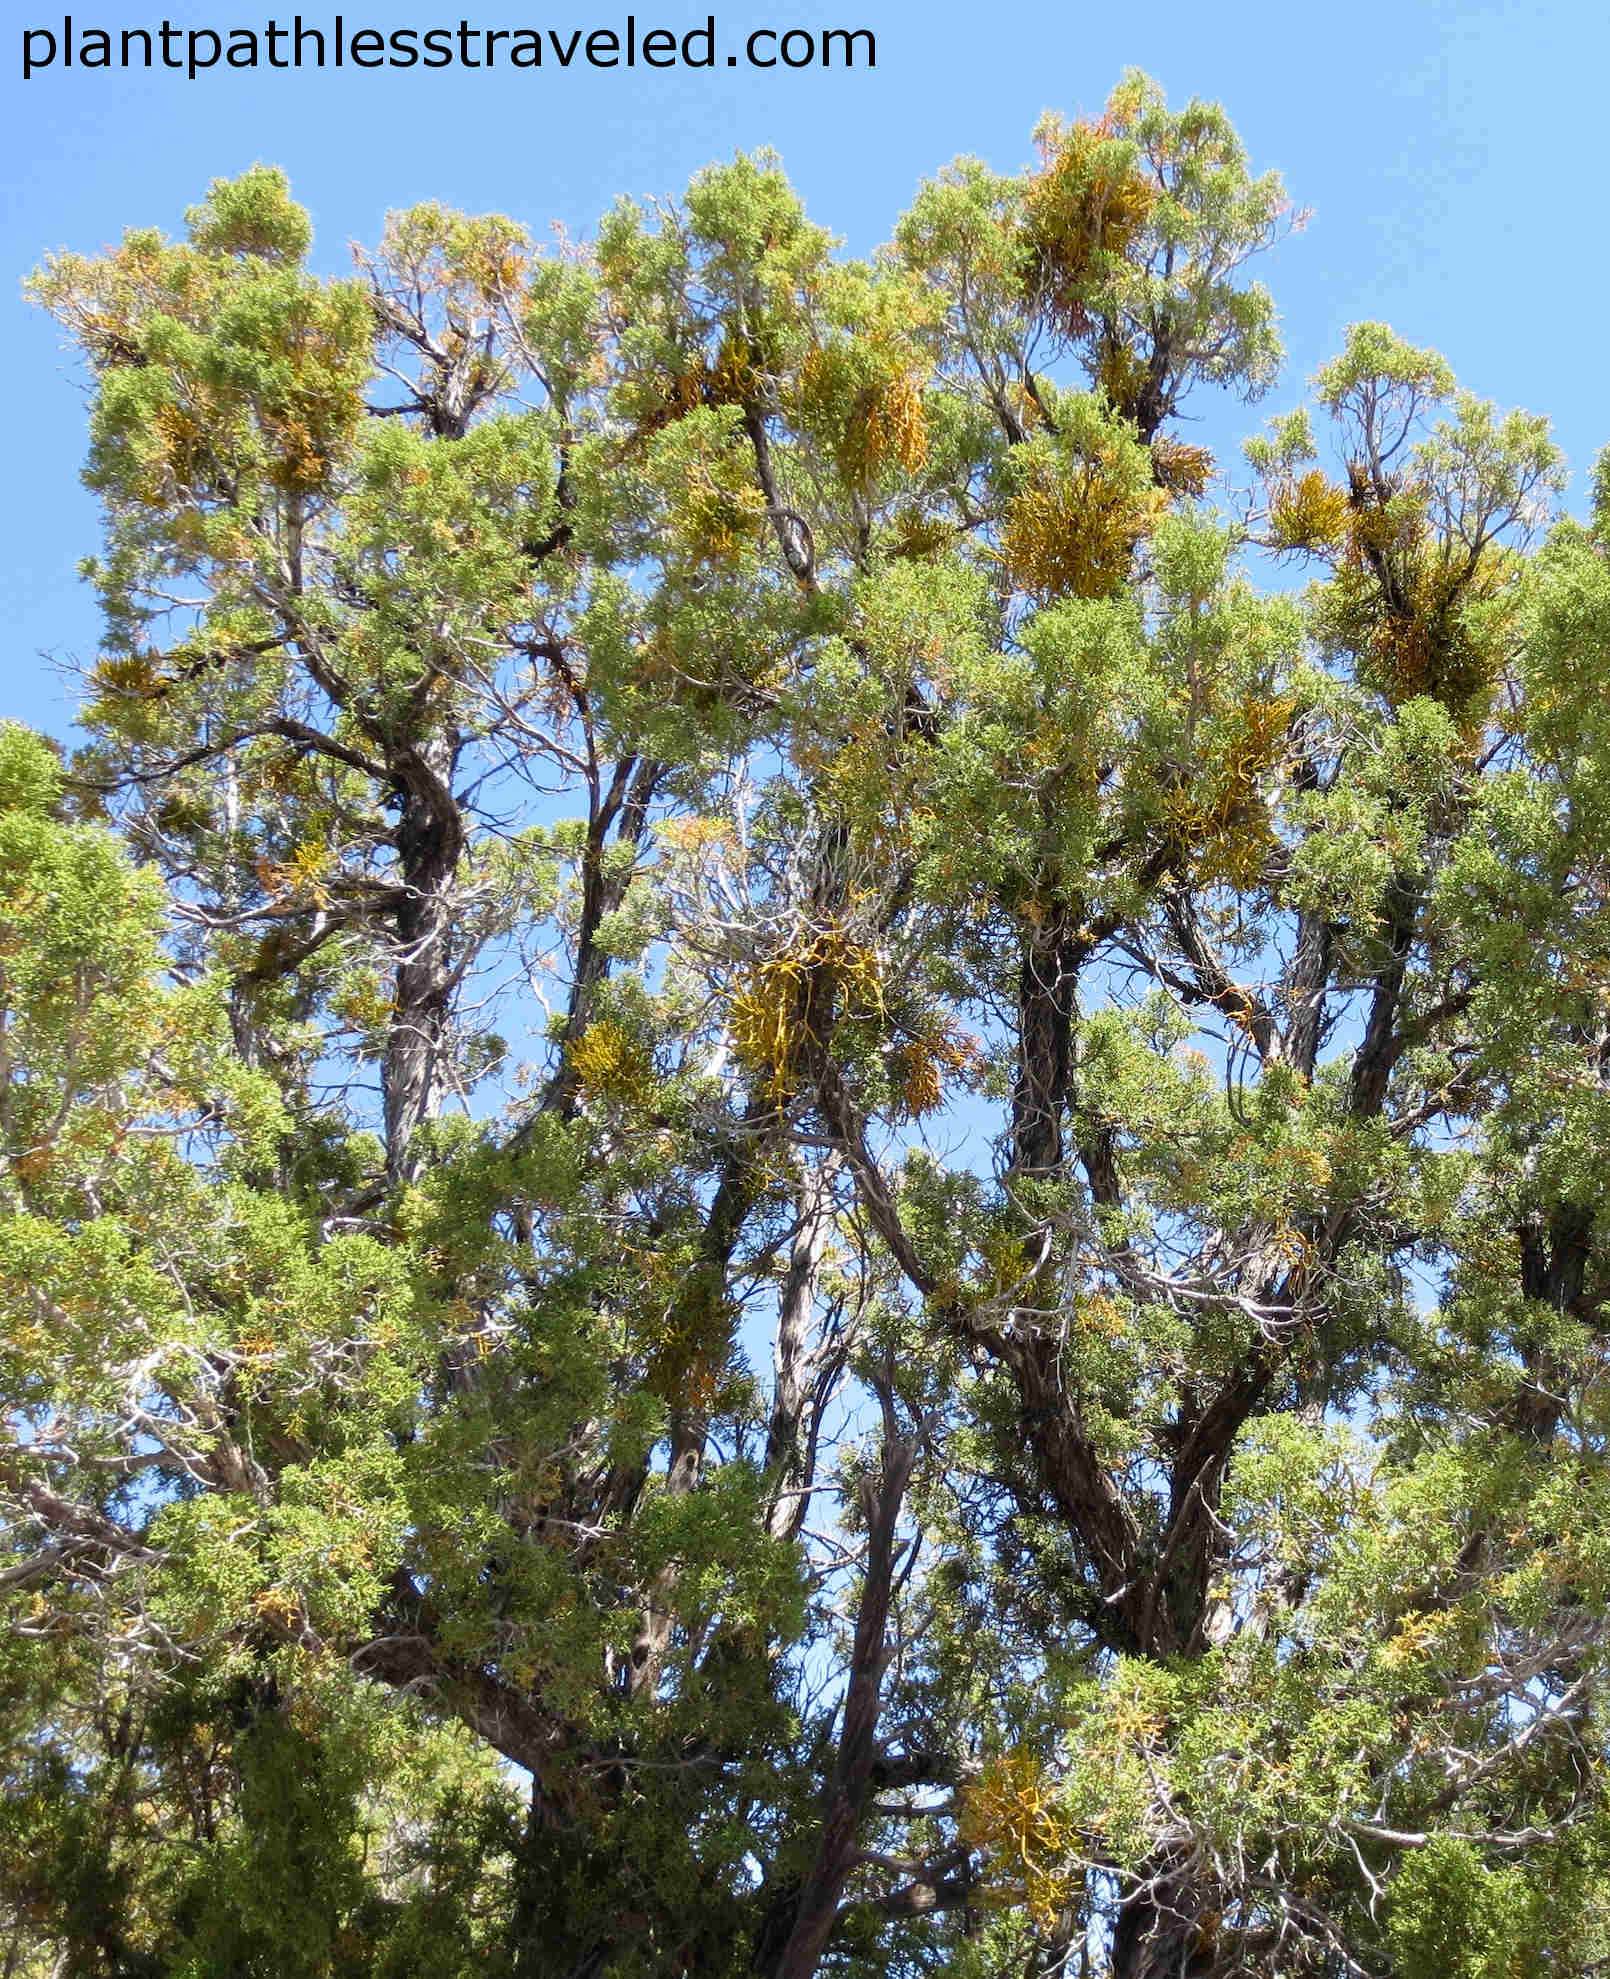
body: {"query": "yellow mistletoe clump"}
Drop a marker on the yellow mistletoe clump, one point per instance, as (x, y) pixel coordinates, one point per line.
(1219, 815)
(126, 674)
(1120, 374)
(1308, 512)
(918, 536)
(278, 1605)
(719, 516)
(699, 836)
(673, 398)
(891, 427)
(1293, 1252)
(1071, 531)
(363, 1002)
(681, 1326)
(1086, 207)
(779, 1002)
(301, 877)
(1404, 600)
(1012, 1813)
(731, 377)
(608, 1062)
(1101, 1316)
(1403, 587)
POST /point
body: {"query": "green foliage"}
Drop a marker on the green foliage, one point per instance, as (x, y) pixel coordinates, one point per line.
(776, 1191)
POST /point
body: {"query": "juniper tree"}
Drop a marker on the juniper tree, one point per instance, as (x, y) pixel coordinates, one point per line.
(789, 1184)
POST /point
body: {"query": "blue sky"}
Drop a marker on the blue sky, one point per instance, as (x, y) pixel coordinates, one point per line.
(1451, 153)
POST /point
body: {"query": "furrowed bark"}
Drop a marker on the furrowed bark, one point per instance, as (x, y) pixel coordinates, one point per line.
(1162, 1932)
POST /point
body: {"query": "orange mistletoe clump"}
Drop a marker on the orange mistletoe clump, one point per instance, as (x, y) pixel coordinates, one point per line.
(1404, 597)
(1220, 816)
(1181, 468)
(1086, 207)
(920, 1065)
(870, 415)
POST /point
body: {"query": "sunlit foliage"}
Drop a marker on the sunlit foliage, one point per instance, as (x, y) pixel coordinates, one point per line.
(781, 1187)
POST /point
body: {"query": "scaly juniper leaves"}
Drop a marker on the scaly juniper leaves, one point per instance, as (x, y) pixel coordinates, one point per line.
(781, 1192)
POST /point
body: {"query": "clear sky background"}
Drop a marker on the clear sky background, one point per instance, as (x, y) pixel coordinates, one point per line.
(1452, 153)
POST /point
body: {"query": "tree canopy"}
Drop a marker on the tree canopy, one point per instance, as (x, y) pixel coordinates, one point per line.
(800, 1143)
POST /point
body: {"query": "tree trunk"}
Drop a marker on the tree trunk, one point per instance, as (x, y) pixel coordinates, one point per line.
(1164, 1931)
(800, 1369)
(430, 842)
(816, 1910)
